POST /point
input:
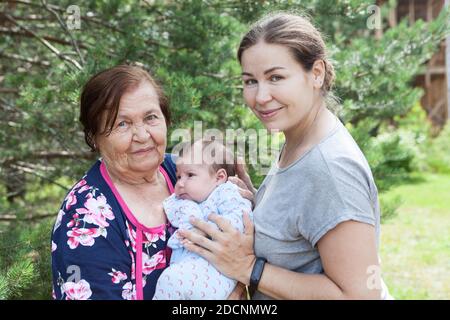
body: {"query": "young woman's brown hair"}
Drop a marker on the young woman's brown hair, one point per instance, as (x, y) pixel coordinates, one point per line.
(298, 34)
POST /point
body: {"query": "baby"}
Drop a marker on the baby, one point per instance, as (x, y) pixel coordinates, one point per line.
(202, 188)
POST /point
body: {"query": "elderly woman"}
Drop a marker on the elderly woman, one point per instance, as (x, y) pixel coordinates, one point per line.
(109, 240)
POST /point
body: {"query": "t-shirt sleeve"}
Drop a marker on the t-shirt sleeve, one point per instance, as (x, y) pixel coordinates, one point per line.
(341, 192)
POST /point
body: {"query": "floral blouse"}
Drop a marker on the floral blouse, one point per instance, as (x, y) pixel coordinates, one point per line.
(99, 249)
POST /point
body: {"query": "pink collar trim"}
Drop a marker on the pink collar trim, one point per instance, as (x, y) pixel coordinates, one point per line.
(128, 213)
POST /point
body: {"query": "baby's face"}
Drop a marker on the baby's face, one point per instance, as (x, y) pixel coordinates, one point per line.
(194, 181)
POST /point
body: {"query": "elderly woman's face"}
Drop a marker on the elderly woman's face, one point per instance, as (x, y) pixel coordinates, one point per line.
(138, 140)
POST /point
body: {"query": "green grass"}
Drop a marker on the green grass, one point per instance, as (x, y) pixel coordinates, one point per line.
(415, 245)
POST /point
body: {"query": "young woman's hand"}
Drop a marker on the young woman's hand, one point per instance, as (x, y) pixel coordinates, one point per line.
(243, 181)
(229, 250)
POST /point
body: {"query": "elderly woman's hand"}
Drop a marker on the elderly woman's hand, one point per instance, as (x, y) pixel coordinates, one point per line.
(229, 250)
(239, 292)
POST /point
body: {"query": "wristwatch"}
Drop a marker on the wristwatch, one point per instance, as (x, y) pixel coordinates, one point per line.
(257, 271)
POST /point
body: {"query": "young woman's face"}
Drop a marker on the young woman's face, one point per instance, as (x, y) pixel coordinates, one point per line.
(276, 87)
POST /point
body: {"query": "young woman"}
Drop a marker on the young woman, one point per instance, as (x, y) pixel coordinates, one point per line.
(316, 217)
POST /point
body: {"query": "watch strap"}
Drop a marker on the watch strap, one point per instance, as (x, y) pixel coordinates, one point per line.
(256, 274)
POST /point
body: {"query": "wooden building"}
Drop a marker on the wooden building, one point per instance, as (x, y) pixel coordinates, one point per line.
(435, 80)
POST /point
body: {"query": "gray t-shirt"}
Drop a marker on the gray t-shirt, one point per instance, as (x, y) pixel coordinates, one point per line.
(297, 205)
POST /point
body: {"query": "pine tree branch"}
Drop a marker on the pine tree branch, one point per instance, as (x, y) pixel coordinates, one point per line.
(50, 155)
(17, 57)
(29, 3)
(13, 217)
(9, 90)
(31, 17)
(60, 9)
(37, 174)
(66, 30)
(17, 33)
(44, 42)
